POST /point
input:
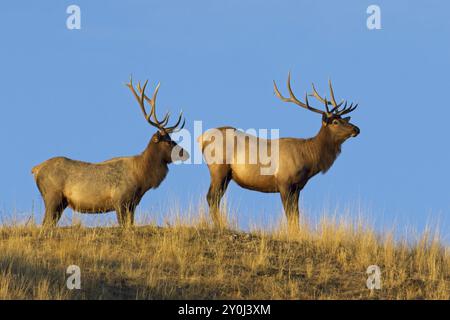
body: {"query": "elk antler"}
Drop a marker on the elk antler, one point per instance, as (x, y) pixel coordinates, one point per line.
(161, 125)
(334, 111)
(346, 110)
(293, 99)
(333, 102)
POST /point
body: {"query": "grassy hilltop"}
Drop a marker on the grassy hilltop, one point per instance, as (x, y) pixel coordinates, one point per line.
(194, 261)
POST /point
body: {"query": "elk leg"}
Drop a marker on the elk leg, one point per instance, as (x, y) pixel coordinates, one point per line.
(120, 217)
(130, 218)
(54, 207)
(125, 215)
(289, 197)
(216, 191)
(129, 215)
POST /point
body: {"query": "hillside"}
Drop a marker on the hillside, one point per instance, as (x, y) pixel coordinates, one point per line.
(198, 262)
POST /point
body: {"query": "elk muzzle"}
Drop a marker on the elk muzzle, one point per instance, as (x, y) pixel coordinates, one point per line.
(179, 154)
(356, 131)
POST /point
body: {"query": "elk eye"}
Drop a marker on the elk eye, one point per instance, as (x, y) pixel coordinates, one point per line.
(335, 122)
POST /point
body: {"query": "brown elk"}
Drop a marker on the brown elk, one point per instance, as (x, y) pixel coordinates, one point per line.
(297, 161)
(117, 184)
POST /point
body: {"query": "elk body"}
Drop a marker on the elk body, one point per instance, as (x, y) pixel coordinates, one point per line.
(298, 160)
(117, 184)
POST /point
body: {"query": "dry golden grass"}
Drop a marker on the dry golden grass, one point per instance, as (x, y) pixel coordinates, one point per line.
(191, 260)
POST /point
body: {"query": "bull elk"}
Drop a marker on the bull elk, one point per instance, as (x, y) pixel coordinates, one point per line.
(298, 160)
(117, 184)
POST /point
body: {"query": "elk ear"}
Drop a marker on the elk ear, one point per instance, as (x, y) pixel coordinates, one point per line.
(347, 119)
(156, 137)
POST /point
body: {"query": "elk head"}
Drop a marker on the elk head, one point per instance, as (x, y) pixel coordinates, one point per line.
(332, 121)
(161, 140)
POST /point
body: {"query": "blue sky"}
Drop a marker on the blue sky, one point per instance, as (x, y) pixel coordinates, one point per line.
(62, 93)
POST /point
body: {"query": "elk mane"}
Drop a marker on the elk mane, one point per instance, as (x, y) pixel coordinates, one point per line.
(321, 151)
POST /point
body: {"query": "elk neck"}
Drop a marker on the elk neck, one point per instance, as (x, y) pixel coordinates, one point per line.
(152, 168)
(322, 150)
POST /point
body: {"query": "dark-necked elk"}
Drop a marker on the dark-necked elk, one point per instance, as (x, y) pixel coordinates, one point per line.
(297, 161)
(117, 184)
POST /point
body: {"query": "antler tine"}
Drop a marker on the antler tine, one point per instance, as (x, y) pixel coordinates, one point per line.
(336, 105)
(139, 86)
(337, 108)
(350, 109)
(306, 98)
(141, 101)
(291, 94)
(152, 103)
(182, 126)
(174, 127)
(141, 104)
(325, 101)
(277, 92)
(316, 95)
(333, 100)
(275, 88)
(292, 97)
(165, 120)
